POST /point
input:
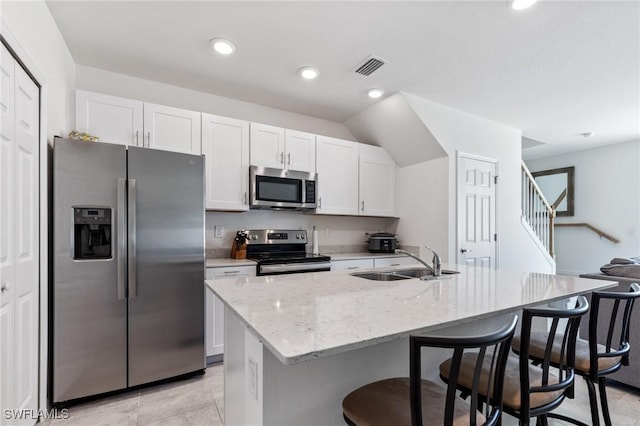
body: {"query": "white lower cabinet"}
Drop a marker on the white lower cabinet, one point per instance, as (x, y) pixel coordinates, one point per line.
(351, 264)
(214, 308)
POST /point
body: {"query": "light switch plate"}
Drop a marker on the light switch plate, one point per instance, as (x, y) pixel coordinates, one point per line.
(218, 231)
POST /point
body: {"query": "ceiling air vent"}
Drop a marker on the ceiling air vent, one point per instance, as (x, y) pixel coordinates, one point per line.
(369, 65)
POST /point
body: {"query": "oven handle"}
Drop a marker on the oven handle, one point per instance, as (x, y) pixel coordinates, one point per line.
(291, 267)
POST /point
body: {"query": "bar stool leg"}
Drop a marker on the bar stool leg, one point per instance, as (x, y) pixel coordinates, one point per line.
(602, 385)
(593, 402)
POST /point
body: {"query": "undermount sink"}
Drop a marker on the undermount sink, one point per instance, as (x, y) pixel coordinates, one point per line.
(403, 274)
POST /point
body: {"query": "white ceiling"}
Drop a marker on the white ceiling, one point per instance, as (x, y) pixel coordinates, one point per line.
(556, 70)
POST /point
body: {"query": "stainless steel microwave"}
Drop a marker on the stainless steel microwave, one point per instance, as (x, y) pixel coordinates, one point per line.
(281, 189)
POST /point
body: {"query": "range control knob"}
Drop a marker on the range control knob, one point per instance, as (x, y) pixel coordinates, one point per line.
(298, 236)
(254, 236)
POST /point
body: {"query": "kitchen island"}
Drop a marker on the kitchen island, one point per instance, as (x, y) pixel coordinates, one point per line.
(295, 345)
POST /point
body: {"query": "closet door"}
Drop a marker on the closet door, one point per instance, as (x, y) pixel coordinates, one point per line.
(7, 258)
(19, 250)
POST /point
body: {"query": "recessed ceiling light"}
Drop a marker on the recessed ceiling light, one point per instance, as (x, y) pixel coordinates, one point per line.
(375, 93)
(308, 73)
(222, 46)
(522, 4)
(587, 134)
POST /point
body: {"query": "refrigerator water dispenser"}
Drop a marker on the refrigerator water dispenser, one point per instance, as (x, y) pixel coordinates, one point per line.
(92, 233)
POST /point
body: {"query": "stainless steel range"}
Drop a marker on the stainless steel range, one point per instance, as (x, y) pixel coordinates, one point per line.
(283, 252)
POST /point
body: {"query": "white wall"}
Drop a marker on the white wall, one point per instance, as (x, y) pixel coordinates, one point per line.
(97, 80)
(422, 201)
(607, 195)
(458, 131)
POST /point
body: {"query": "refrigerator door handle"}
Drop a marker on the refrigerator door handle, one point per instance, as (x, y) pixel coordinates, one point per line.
(121, 247)
(131, 252)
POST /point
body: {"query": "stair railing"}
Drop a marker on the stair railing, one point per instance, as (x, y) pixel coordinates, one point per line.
(537, 211)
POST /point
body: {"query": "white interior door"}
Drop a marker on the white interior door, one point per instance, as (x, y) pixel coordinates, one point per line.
(19, 251)
(7, 270)
(476, 211)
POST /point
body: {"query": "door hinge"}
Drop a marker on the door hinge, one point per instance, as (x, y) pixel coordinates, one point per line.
(495, 180)
(495, 237)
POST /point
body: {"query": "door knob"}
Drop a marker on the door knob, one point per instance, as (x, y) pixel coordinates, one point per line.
(463, 250)
(4, 287)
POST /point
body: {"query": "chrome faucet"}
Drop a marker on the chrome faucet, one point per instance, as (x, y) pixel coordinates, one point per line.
(436, 269)
(408, 253)
(437, 262)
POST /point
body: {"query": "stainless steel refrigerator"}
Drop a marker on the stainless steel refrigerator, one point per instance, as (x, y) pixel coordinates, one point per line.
(127, 303)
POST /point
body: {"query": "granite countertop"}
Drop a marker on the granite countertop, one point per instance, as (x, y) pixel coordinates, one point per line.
(301, 317)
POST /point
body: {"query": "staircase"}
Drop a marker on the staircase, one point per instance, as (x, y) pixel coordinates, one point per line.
(537, 214)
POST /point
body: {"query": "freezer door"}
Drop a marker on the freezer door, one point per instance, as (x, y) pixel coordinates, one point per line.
(166, 264)
(88, 305)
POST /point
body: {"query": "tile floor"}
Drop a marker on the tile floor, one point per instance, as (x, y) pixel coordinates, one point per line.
(199, 401)
(196, 400)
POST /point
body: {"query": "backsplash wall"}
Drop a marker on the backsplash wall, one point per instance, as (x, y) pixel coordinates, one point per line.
(336, 234)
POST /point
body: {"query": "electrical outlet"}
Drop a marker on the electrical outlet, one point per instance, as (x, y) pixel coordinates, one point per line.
(218, 231)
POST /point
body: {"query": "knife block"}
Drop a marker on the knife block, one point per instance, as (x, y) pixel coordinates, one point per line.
(239, 251)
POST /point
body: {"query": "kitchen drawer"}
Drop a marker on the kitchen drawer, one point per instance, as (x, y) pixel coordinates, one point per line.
(385, 262)
(231, 271)
(352, 264)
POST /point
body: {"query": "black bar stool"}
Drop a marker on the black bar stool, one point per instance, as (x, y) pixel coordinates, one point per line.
(609, 351)
(415, 401)
(531, 391)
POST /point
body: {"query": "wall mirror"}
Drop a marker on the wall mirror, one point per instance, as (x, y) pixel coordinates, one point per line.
(557, 187)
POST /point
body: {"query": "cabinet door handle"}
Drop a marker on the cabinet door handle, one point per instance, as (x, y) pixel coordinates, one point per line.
(282, 157)
(231, 272)
(353, 267)
(289, 159)
(136, 138)
(319, 202)
(148, 139)
(244, 198)
(362, 208)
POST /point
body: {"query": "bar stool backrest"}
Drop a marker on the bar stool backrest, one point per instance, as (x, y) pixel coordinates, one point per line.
(556, 379)
(616, 341)
(495, 345)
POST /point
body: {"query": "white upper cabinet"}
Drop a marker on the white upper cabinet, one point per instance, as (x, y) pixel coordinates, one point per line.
(112, 119)
(225, 145)
(337, 168)
(172, 129)
(300, 150)
(282, 148)
(267, 146)
(377, 182)
(128, 122)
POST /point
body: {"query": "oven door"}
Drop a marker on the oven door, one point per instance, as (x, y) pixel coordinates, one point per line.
(281, 189)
